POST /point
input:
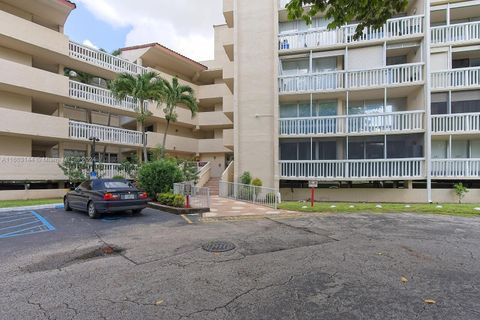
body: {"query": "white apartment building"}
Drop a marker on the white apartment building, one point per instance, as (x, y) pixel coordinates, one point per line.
(48, 111)
(391, 116)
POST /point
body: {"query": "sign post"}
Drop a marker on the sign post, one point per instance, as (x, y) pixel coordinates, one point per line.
(313, 184)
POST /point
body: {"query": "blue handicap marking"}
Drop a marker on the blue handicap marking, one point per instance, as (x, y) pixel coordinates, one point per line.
(14, 224)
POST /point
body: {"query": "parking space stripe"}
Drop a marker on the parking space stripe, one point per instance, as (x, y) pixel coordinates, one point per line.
(186, 219)
(23, 223)
(18, 225)
(44, 221)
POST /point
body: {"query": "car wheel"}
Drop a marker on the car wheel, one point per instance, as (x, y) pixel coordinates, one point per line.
(66, 205)
(92, 212)
(137, 211)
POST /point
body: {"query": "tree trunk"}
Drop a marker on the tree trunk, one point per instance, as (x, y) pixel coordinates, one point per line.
(145, 156)
(165, 139)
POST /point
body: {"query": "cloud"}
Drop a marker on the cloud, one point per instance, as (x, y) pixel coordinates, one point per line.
(185, 26)
(89, 43)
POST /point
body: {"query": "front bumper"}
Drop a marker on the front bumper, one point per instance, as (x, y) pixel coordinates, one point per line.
(120, 205)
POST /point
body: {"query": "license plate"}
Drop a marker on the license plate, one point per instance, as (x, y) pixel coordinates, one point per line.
(128, 196)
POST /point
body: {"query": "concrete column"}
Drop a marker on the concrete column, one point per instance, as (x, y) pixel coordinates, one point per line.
(61, 110)
(408, 184)
(61, 149)
(61, 69)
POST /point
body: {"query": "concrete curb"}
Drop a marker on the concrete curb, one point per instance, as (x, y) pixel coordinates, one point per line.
(39, 207)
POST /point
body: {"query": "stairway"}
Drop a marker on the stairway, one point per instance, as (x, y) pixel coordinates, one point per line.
(213, 185)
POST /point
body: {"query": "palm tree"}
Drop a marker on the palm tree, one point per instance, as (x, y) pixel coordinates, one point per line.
(142, 87)
(175, 94)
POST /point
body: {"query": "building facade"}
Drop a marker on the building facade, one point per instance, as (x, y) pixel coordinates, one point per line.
(393, 115)
(54, 98)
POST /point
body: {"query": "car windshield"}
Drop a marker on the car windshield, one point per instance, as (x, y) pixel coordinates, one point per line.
(117, 185)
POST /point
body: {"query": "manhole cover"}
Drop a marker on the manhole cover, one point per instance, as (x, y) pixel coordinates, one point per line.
(218, 246)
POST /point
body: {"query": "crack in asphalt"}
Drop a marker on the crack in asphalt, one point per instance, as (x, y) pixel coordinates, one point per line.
(229, 302)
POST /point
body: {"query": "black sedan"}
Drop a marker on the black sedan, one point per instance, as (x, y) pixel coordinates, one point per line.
(104, 196)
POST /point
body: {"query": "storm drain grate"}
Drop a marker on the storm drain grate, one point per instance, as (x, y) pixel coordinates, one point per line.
(218, 246)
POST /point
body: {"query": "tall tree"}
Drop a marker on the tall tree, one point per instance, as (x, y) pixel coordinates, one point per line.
(141, 87)
(368, 13)
(175, 94)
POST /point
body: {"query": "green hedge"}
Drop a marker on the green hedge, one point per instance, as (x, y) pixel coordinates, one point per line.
(159, 176)
(172, 200)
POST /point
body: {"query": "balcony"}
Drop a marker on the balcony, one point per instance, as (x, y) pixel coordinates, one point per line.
(397, 75)
(462, 78)
(33, 124)
(97, 95)
(457, 123)
(334, 170)
(41, 169)
(455, 168)
(461, 32)
(215, 119)
(228, 12)
(411, 26)
(228, 138)
(103, 59)
(84, 131)
(211, 146)
(395, 122)
(174, 143)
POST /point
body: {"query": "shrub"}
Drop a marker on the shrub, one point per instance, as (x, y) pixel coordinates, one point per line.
(118, 177)
(172, 200)
(159, 176)
(257, 182)
(460, 191)
(246, 178)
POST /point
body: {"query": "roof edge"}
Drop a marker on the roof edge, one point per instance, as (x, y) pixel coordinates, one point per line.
(68, 3)
(170, 51)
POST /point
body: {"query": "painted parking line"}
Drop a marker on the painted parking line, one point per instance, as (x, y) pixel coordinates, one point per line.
(23, 223)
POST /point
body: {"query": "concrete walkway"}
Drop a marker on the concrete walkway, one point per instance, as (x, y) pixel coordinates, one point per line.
(222, 207)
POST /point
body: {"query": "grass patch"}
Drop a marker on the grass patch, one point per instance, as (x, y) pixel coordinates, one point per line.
(22, 203)
(463, 210)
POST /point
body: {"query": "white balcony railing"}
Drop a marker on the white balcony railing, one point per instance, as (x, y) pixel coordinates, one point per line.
(456, 123)
(395, 169)
(103, 59)
(386, 76)
(84, 131)
(99, 95)
(469, 31)
(354, 79)
(456, 78)
(397, 27)
(455, 168)
(355, 124)
(328, 81)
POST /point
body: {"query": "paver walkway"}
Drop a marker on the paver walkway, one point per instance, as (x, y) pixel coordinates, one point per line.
(222, 207)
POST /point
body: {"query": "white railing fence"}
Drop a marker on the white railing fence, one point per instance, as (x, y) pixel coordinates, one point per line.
(353, 169)
(84, 131)
(353, 79)
(103, 59)
(456, 32)
(243, 192)
(457, 122)
(396, 27)
(99, 95)
(228, 174)
(199, 197)
(456, 78)
(204, 174)
(371, 123)
(455, 168)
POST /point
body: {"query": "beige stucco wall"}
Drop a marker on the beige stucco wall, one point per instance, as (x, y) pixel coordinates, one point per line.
(15, 101)
(217, 163)
(256, 60)
(15, 146)
(32, 194)
(439, 61)
(378, 195)
(15, 56)
(365, 58)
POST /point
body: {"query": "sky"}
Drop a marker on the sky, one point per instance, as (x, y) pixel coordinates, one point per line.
(185, 26)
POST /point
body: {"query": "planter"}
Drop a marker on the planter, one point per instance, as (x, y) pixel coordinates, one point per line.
(174, 210)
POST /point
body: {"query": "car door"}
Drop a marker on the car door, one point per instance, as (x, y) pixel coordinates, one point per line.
(74, 198)
(84, 195)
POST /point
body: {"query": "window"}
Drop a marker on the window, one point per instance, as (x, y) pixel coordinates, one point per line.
(294, 67)
(74, 153)
(466, 102)
(439, 103)
(324, 108)
(324, 150)
(86, 186)
(117, 185)
(396, 60)
(288, 111)
(324, 64)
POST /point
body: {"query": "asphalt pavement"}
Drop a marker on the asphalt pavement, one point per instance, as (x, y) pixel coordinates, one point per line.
(154, 266)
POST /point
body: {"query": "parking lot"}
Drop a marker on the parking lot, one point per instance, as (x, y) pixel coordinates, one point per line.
(154, 266)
